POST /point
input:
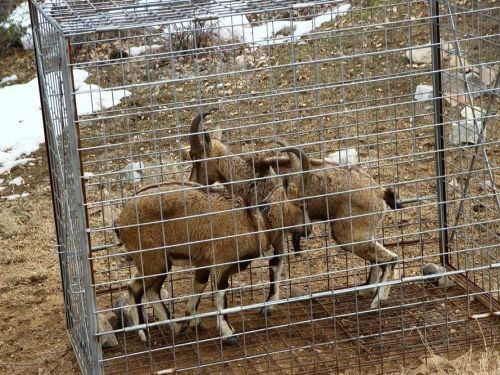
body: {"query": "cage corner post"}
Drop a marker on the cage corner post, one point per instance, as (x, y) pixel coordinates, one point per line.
(439, 131)
(95, 350)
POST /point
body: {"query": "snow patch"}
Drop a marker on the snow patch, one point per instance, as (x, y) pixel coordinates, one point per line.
(136, 51)
(22, 127)
(15, 196)
(8, 79)
(18, 181)
(238, 29)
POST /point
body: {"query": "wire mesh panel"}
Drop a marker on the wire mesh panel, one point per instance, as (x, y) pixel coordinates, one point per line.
(272, 186)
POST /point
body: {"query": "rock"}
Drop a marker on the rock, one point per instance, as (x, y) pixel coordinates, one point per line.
(345, 156)
(419, 55)
(132, 173)
(122, 312)
(465, 132)
(455, 89)
(297, 292)
(108, 340)
(433, 269)
(185, 156)
(472, 112)
(423, 92)
(488, 74)
(244, 61)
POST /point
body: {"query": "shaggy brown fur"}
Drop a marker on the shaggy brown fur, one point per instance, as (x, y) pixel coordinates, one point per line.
(187, 224)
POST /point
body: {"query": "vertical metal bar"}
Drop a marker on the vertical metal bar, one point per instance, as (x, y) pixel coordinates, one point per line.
(438, 131)
(35, 29)
(95, 351)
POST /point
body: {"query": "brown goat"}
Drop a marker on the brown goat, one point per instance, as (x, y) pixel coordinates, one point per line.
(355, 205)
(207, 229)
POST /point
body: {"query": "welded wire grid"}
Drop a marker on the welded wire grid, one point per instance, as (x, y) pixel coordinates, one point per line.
(348, 82)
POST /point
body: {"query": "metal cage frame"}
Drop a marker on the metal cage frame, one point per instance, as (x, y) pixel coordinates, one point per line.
(59, 25)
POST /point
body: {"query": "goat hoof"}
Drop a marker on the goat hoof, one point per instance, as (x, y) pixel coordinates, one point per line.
(144, 336)
(196, 324)
(180, 328)
(375, 305)
(266, 311)
(230, 340)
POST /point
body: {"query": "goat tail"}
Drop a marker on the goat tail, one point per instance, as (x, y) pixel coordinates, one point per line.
(390, 199)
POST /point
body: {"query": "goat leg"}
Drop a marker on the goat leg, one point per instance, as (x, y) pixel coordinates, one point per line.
(200, 280)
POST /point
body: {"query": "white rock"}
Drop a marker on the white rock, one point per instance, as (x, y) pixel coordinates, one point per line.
(419, 55)
(423, 92)
(8, 79)
(465, 132)
(470, 112)
(18, 181)
(487, 73)
(244, 61)
(132, 172)
(344, 156)
(88, 175)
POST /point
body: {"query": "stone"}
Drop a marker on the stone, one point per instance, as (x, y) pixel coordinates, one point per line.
(488, 74)
(470, 113)
(345, 156)
(244, 61)
(419, 55)
(455, 89)
(423, 92)
(297, 292)
(434, 269)
(107, 340)
(132, 173)
(465, 132)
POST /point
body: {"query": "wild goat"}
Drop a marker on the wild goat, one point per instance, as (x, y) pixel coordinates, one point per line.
(186, 223)
(251, 179)
(355, 203)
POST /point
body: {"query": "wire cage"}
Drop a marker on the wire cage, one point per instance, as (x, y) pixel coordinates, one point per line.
(392, 103)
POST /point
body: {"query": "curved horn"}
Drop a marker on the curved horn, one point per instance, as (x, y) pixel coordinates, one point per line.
(295, 156)
(195, 134)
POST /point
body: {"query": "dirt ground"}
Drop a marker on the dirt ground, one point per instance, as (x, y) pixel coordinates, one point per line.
(33, 336)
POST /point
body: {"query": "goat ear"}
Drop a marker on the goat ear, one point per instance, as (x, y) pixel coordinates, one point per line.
(217, 133)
